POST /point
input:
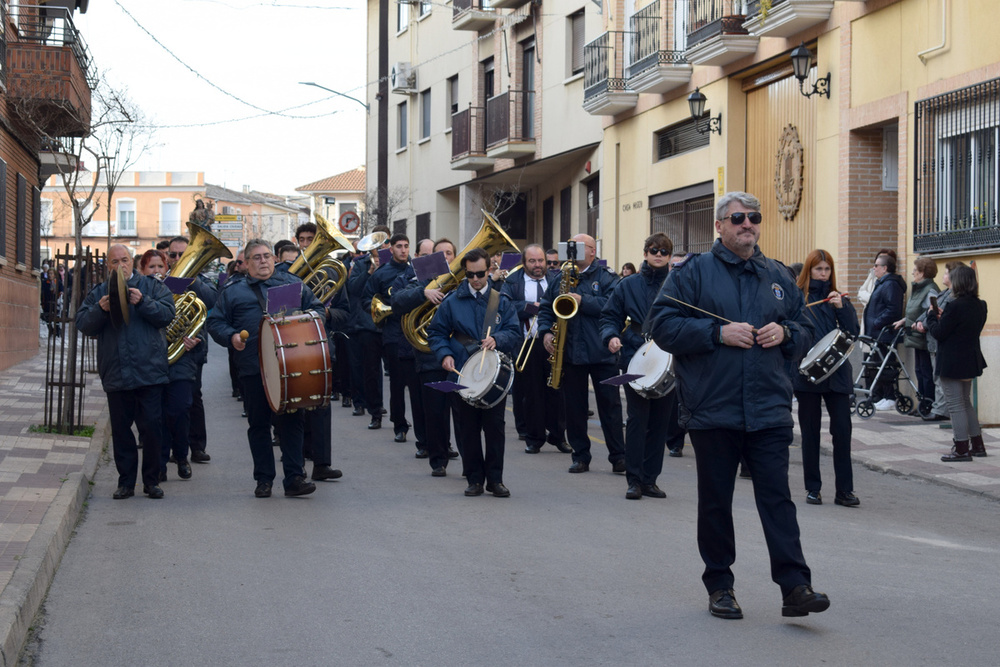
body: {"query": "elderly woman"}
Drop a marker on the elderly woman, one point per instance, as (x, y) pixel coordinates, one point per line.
(922, 289)
(884, 307)
(957, 329)
(939, 410)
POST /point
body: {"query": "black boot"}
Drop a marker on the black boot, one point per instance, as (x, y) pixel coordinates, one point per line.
(959, 452)
(978, 448)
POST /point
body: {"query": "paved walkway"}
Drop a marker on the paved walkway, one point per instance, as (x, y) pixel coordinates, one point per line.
(45, 480)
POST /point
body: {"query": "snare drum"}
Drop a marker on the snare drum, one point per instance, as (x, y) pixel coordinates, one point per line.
(487, 387)
(295, 362)
(826, 356)
(656, 368)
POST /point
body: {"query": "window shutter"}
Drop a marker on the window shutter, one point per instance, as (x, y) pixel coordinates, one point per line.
(578, 38)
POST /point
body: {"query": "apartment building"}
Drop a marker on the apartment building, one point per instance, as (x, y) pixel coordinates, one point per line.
(46, 78)
(484, 113)
(340, 199)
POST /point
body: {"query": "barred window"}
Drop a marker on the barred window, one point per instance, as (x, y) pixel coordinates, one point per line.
(956, 170)
(680, 138)
(686, 215)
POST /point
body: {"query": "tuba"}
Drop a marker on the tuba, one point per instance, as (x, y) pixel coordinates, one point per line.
(491, 238)
(313, 263)
(564, 307)
(380, 309)
(190, 310)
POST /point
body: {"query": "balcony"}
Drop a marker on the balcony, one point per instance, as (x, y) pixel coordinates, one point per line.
(652, 69)
(468, 140)
(786, 17)
(49, 71)
(716, 35)
(508, 4)
(605, 92)
(472, 15)
(510, 124)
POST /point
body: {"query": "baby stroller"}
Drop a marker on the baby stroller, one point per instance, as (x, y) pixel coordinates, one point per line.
(882, 366)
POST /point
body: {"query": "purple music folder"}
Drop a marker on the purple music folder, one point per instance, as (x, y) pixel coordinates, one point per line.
(619, 380)
(384, 256)
(223, 277)
(178, 285)
(530, 309)
(445, 386)
(284, 298)
(509, 260)
(430, 266)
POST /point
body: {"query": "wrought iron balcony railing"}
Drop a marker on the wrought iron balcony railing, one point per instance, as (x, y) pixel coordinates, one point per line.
(510, 117)
(645, 48)
(604, 64)
(709, 18)
(53, 26)
(468, 132)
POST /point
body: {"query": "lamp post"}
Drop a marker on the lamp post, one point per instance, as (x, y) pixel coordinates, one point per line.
(335, 92)
(801, 64)
(696, 102)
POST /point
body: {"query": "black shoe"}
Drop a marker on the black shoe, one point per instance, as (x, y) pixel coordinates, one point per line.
(634, 492)
(299, 487)
(439, 472)
(236, 393)
(618, 467)
(421, 454)
(335, 396)
(579, 466)
(239, 398)
(322, 472)
(814, 498)
(384, 411)
(400, 436)
(200, 456)
(532, 449)
(123, 492)
(184, 469)
(722, 604)
(154, 492)
(522, 436)
(847, 499)
(590, 413)
(452, 453)
(676, 452)
(474, 490)
(163, 476)
(498, 489)
(744, 472)
(263, 490)
(358, 411)
(376, 423)
(563, 447)
(346, 403)
(803, 601)
(653, 491)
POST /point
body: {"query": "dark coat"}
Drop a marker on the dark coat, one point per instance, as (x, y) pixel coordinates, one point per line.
(388, 276)
(631, 299)
(136, 354)
(885, 307)
(513, 287)
(186, 368)
(729, 387)
(404, 299)
(361, 317)
(825, 318)
(916, 306)
(959, 356)
(583, 340)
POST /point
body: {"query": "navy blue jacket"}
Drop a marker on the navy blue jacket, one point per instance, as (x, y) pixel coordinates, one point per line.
(135, 355)
(631, 299)
(387, 277)
(186, 368)
(721, 386)
(885, 306)
(357, 281)
(205, 290)
(513, 287)
(583, 341)
(462, 313)
(238, 309)
(826, 318)
(404, 299)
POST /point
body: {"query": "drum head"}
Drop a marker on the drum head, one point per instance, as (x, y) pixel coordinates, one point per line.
(819, 349)
(651, 363)
(270, 369)
(478, 381)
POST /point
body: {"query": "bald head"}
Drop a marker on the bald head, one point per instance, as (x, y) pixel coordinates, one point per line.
(120, 256)
(586, 254)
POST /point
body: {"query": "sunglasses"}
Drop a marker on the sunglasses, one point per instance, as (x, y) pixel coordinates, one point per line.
(555, 263)
(174, 255)
(738, 218)
(662, 252)
(239, 261)
(475, 274)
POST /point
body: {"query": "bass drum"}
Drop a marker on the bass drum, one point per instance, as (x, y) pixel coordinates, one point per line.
(656, 368)
(295, 362)
(487, 376)
(826, 356)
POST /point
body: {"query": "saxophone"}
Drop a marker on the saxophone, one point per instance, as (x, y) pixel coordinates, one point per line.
(564, 307)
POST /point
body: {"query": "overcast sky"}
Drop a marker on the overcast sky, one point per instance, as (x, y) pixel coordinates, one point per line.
(244, 54)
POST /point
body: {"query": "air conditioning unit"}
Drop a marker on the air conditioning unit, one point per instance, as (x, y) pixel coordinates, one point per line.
(403, 78)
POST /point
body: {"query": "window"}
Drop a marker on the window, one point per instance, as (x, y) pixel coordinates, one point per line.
(686, 215)
(425, 114)
(36, 224)
(3, 208)
(423, 226)
(21, 231)
(45, 218)
(679, 138)
(126, 217)
(528, 89)
(401, 129)
(957, 169)
(890, 158)
(170, 217)
(451, 88)
(92, 228)
(425, 8)
(399, 226)
(576, 42)
(680, 25)
(402, 15)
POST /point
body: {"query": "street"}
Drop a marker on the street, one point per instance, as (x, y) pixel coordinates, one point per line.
(391, 566)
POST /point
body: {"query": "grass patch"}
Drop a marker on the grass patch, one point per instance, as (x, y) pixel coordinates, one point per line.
(83, 431)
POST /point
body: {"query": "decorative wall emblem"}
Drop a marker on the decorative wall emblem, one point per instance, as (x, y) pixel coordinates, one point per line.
(788, 173)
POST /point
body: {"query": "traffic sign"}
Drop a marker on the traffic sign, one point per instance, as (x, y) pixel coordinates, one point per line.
(231, 243)
(228, 218)
(349, 222)
(219, 226)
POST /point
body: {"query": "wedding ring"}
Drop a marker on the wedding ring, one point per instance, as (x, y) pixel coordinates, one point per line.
(772, 337)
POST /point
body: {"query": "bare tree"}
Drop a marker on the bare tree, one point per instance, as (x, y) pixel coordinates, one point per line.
(395, 200)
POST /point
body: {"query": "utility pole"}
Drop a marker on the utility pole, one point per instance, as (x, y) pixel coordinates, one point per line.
(383, 112)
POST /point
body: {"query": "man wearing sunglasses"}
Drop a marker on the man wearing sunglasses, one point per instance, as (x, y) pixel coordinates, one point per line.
(735, 394)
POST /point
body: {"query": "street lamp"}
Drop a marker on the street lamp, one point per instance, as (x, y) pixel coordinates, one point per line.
(696, 102)
(801, 64)
(335, 92)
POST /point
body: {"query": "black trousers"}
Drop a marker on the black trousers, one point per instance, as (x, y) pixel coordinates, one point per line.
(356, 366)
(544, 413)
(259, 420)
(403, 377)
(718, 454)
(197, 433)
(318, 438)
(924, 370)
(437, 410)
(476, 425)
(371, 369)
(609, 409)
(142, 406)
(234, 373)
(838, 406)
(176, 431)
(341, 364)
(645, 436)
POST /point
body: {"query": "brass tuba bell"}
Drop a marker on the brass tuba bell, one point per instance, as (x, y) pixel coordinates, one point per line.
(312, 264)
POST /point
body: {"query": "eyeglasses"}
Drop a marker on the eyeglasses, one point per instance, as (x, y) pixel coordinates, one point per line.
(475, 274)
(239, 261)
(739, 217)
(662, 252)
(261, 258)
(174, 255)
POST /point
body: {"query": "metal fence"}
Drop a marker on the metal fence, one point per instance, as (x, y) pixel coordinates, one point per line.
(510, 117)
(645, 48)
(53, 26)
(468, 132)
(604, 64)
(708, 18)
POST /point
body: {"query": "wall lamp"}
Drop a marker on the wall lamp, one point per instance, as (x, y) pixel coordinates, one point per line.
(696, 102)
(801, 64)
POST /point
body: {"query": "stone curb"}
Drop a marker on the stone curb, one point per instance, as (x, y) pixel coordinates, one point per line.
(26, 590)
(926, 477)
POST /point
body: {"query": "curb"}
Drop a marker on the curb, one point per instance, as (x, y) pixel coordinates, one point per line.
(26, 590)
(925, 477)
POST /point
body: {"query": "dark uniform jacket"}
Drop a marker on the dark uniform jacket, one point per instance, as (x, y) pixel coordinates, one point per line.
(238, 309)
(462, 314)
(631, 299)
(404, 299)
(361, 317)
(583, 342)
(387, 277)
(513, 287)
(885, 306)
(959, 356)
(721, 386)
(136, 354)
(826, 318)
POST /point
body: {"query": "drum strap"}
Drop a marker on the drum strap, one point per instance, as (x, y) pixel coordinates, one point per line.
(491, 311)
(260, 297)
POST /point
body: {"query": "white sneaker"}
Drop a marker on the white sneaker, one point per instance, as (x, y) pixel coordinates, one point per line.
(885, 404)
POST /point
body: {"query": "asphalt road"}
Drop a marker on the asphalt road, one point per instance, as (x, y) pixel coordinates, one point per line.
(389, 566)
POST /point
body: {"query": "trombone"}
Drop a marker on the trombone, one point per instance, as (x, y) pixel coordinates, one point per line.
(529, 343)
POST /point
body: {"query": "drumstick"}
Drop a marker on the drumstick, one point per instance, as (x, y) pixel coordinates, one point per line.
(244, 335)
(816, 303)
(483, 358)
(683, 303)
